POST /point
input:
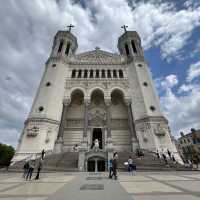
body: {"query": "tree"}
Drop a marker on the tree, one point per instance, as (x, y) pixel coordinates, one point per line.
(6, 154)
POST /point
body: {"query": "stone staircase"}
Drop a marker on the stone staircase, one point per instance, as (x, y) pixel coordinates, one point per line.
(147, 162)
(67, 161)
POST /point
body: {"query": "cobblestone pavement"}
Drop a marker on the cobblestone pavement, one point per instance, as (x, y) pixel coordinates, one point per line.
(96, 186)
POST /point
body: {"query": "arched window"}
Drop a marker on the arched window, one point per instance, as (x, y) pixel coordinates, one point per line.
(91, 73)
(103, 74)
(121, 75)
(127, 49)
(79, 73)
(67, 48)
(108, 73)
(97, 73)
(133, 46)
(73, 73)
(85, 73)
(60, 46)
(114, 74)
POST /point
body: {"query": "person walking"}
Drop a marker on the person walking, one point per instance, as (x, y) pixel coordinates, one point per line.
(43, 154)
(130, 166)
(169, 153)
(30, 170)
(110, 167)
(115, 158)
(39, 167)
(26, 167)
(165, 158)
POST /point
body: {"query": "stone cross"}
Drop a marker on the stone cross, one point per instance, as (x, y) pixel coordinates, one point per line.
(70, 27)
(124, 27)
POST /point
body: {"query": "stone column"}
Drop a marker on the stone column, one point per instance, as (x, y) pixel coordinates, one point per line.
(59, 141)
(134, 141)
(108, 122)
(87, 103)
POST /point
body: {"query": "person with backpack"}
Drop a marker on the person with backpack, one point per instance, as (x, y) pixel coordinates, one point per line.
(25, 167)
(30, 170)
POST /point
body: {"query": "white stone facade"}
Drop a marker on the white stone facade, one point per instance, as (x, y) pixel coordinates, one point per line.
(82, 96)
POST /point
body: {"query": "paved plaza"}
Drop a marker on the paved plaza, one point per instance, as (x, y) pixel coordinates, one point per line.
(96, 186)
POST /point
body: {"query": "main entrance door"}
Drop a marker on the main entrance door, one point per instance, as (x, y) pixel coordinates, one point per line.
(97, 134)
(96, 164)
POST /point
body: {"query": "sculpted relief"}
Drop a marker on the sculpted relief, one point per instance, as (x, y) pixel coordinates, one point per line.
(97, 117)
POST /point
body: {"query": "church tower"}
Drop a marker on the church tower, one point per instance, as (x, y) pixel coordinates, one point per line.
(151, 126)
(42, 126)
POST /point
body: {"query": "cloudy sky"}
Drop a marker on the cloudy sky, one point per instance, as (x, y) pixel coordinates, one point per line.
(169, 30)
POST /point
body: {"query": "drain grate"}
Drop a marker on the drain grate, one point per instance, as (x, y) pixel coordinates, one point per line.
(93, 178)
(92, 187)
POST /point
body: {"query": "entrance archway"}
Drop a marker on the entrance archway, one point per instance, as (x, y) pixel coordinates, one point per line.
(96, 164)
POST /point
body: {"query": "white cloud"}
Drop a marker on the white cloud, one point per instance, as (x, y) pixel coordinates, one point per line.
(193, 71)
(182, 110)
(169, 81)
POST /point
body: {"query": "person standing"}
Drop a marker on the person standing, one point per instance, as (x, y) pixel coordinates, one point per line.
(30, 170)
(158, 155)
(110, 167)
(165, 158)
(26, 167)
(38, 170)
(130, 166)
(115, 158)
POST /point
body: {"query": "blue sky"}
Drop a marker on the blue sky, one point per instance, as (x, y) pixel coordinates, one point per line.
(170, 37)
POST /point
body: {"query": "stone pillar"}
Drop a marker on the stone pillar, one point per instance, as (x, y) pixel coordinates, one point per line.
(134, 141)
(108, 122)
(59, 141)
(87, 103)
(96, 165)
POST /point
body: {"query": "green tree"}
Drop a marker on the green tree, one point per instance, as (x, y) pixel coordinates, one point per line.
(6, 154)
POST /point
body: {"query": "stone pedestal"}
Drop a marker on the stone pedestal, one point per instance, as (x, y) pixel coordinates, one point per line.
(58, 146)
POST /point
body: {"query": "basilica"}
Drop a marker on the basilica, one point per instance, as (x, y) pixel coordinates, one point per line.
(95, 103)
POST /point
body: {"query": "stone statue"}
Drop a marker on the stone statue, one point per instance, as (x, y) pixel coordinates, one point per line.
(96, 144)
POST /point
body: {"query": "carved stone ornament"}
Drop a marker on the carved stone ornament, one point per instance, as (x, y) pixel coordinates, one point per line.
(160, 130)
(32, 131)
(97, 117)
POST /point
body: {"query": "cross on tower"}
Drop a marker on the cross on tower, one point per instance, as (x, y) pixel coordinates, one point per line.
(70, 27)
(124, 27)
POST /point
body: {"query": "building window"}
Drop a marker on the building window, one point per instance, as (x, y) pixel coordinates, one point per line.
(103, 74)
(97, 73)
(40, 108)
(48, 84)
(127, 49)
(91, 74)
(121, 75)
(152, 108)
(60, 46)
(67, 48)
(139, 65)
(85, 73)
(73, 73)
(145, 84)
(54, 65)
(114, 74)
(108, 74)
(133, 46)
(79, 73)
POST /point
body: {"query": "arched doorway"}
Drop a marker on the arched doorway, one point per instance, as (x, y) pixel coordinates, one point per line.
(97, 134)
(96, 164)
